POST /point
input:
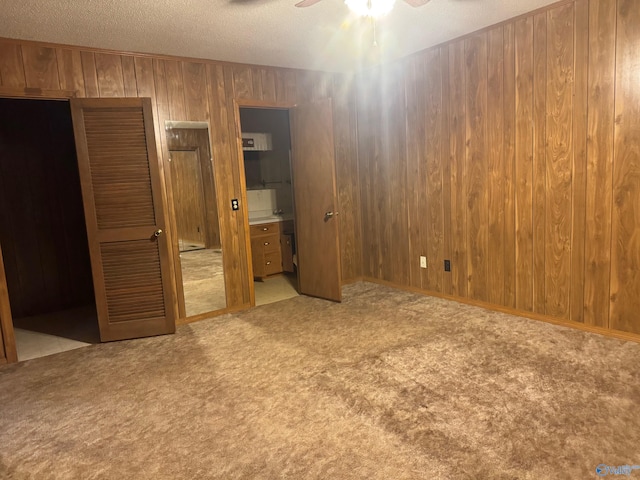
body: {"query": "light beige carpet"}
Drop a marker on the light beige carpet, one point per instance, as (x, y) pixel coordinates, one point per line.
(386, 385)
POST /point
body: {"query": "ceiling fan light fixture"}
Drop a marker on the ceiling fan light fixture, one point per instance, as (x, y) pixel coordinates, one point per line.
(370, 8)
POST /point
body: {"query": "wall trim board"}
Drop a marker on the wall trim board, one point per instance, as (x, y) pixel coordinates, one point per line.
(249, 103)
(630, 337)
(208, 315)
(37, 93)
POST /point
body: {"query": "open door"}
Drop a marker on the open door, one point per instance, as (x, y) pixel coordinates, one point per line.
(315, 200)
(8, 353)
(125, 218)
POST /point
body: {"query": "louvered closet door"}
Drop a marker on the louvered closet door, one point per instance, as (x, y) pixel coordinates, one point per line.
(122, 196)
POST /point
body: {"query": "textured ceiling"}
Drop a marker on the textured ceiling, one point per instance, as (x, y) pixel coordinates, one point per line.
(264, 32)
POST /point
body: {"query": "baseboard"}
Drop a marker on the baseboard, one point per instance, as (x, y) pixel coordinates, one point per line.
(632, 337)
(349, 281)
(217, 313)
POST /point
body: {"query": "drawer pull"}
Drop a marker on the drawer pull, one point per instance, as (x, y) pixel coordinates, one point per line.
(266, 243)
(269, 262)
(264, 229)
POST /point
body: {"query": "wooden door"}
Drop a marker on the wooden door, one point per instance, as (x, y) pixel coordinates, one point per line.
(315, 200)
(8, 353)
(188, 198)
(126, 222)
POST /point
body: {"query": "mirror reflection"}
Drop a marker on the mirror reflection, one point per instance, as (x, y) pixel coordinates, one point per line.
(197, 230)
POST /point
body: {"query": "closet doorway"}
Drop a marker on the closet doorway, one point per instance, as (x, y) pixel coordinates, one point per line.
(309, 222)
(131, 270)
(43, 231)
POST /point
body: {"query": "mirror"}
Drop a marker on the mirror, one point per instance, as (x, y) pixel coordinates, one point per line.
(197, 230)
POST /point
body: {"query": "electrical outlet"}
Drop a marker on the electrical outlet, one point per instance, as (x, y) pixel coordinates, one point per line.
(447, 265)
(423, 262)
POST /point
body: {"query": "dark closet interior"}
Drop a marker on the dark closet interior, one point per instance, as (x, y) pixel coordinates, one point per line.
(42, 227)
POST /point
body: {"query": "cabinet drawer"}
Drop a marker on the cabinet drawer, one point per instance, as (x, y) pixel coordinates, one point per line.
(269, 243)
(272, 263)
(264, 229)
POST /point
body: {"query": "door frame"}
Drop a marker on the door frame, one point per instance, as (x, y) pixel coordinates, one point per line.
(6, 319)
(7, 335)
(67, 95)
(239, 103)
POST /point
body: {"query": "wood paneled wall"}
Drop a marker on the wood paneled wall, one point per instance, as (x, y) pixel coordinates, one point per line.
(42, 228)
(184, 89)
(515, 153)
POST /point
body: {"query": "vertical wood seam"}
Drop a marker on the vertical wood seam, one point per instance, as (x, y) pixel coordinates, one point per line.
(613, 158)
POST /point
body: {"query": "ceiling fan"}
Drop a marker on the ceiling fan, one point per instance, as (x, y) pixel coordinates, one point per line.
(368, 8)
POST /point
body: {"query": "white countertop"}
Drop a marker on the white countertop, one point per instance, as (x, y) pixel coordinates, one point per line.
(270, 219)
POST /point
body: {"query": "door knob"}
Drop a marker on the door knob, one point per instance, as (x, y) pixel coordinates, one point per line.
(330, 214)
(157, 233)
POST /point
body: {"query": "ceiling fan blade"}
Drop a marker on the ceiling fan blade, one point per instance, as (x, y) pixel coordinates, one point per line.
(308, 3)
(417, 3)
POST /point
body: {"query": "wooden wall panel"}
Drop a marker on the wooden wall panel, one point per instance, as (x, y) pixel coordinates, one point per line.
(268, 84)
(367, 131)
(11, 66)
(243, 83)
(346, 164)
(434, 231)
(129, 76)
(414, 159)
(457, 139)
(625, 253)
(90, 75)
(109, 75)
(195, 90)
(235, 180)
(411, 87)
(559, 160)
(524, 164)
(70, 70)
(175, 89)
(602, 48)
(381, 182)
(579, 178)
(40, 67)
(285, 81)
(509, 178)
(446, 170)
(226, 186)
(477, 166)
(495, 149)
(396, 220)
(539, 158)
